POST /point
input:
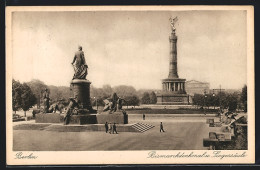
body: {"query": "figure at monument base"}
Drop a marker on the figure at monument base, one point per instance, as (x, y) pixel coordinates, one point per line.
(74, 104)
(113, 111)
(46, 101)
(113, 105)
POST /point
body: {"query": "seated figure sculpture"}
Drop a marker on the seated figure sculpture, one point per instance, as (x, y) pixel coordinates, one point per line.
(113, 104)
(74, 104)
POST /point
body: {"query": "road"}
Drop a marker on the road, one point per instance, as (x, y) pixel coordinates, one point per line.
(181, 133)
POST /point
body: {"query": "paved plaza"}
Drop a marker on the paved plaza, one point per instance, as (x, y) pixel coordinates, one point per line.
(181, 133)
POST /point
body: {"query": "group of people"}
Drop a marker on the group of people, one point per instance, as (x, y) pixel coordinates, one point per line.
(110, 128)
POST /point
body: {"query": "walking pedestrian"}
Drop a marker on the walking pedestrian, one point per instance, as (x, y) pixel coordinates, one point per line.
(110, 128)
(143, 116)
(161, 127)
(114, 128)
(106, 126)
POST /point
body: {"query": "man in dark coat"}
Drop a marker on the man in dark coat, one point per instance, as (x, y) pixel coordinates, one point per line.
(161, 127)
(106, 126)
(114, 128)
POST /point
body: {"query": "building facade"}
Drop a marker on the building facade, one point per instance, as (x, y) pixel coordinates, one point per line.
(197, 87)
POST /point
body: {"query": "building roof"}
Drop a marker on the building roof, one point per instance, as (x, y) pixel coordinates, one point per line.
(195, 81)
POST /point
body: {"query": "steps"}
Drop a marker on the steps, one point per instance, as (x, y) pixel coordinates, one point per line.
(142, 127)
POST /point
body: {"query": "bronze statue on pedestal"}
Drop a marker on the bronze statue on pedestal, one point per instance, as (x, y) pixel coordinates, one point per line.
(80, 66)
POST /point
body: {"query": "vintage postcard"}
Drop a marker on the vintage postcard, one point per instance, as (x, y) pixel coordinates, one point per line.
(130, 85)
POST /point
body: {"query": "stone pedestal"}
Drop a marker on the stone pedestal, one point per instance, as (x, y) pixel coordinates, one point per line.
(48, 118)
(81, 89)
(173, 92)
(83, 119)
(172, 99)
(117, 118)
(59, 118)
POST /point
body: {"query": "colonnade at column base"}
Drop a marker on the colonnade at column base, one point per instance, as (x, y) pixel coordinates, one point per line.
(174, 85)
(173, 92)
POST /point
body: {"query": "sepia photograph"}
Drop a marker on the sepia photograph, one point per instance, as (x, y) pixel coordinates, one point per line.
(130, 85)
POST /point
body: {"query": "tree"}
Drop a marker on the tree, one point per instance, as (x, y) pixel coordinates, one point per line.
(153, 98)
(210, 100)
(16, 95)
(221, 100)
(28, 98)
(107, 89)
(231, 102)
(123, 91)
(146, 98)
(37, 88)
(59, 93)
(97, 96)
(132, 100)
(198, 99)
(244, 97)
(98, 101)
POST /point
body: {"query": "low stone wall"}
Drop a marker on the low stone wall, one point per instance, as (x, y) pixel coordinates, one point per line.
(48, 118)
(82, 119)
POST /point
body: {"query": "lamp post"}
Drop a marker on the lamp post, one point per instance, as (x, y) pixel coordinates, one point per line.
(220, 94)
(96, 102)
(213, 98)
(14, 108)
(205, 96)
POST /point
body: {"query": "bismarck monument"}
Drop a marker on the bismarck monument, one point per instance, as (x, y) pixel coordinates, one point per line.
(80, 85)
(173, 87)
(79, 110)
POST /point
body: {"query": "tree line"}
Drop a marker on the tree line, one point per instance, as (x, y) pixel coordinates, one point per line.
(22, 96)
(230, 101)
(26, 95)
(131, 96)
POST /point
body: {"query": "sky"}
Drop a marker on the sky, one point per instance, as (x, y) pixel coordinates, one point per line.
(130, 48)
